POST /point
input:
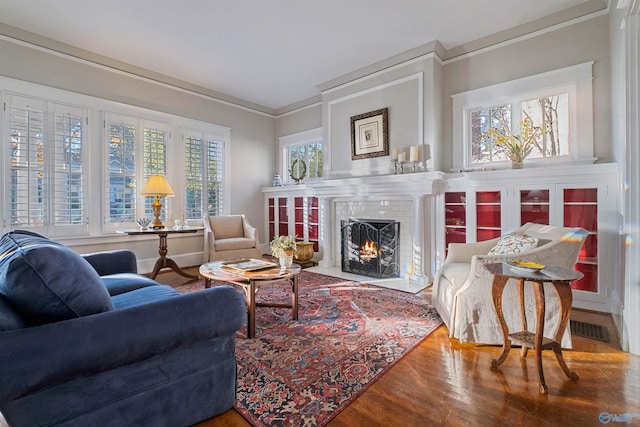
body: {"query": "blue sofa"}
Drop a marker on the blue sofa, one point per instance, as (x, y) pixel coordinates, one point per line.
(85, 341)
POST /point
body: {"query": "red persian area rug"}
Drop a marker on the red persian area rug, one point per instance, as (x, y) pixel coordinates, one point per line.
(304, 372)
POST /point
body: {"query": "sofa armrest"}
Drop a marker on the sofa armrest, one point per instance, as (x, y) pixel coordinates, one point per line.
(463, 252)
(35, 358)
(112, 262)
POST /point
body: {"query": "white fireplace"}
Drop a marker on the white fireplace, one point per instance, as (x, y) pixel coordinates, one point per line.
(406, 198)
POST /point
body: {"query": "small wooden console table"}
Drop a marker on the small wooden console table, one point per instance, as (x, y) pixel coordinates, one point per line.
(560, 277)
(164, 261)
(250, 282)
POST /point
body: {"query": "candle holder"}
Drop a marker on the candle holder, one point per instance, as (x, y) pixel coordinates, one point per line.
(413, 166)
(401, 166)
(395, 166)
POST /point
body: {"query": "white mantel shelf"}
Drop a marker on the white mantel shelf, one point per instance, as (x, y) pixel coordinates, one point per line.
(408, 184)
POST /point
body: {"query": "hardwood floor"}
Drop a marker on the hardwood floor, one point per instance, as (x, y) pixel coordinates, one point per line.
(443, 382)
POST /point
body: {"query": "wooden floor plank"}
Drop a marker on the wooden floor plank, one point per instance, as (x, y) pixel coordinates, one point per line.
(444, 382)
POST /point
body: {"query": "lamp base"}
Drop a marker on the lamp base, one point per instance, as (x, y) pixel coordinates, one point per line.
(157, 209)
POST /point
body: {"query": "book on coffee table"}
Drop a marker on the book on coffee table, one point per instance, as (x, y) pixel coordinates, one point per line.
(249, 264)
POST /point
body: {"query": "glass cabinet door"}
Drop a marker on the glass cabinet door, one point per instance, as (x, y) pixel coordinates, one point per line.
(283, 217)
(534, 206)
(581, 210)
(488, 213)
(455, 214)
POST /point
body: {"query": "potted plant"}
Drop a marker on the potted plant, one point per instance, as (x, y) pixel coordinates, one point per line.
(516, 147)
(283, 248)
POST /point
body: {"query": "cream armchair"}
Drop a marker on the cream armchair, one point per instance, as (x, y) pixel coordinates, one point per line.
(462, 286)
(230, 237)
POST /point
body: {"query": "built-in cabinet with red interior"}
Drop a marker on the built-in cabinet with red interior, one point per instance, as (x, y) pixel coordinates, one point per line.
(483, 214)
(294, 215)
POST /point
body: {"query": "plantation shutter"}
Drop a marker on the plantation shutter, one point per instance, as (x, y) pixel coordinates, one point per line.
(204, 163)
(122, 194)
(194, 176)
(156, 136)
(69, 193)
(27, 172)
(215, 176)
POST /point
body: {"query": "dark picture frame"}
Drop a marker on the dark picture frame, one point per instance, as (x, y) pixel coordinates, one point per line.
(370, 134)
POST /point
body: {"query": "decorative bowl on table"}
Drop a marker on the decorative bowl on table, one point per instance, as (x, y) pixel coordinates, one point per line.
(527, 266)
(143, 223)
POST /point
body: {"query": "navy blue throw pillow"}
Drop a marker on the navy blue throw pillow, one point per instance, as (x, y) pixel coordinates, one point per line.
(47, 282)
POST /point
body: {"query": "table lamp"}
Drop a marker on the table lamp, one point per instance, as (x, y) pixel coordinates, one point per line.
(157, 186)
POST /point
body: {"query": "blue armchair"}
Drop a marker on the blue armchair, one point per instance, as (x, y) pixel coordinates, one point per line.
(87, 341)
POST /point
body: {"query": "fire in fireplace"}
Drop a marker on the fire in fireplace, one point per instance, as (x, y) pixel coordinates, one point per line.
(371, 247)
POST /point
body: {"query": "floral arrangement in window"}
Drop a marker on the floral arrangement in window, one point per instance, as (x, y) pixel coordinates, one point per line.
(516, 147)
(283, 245)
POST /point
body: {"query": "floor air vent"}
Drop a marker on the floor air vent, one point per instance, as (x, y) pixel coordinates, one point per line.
(589, 330)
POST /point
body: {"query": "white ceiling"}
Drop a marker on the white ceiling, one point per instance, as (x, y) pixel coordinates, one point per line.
(270, 52)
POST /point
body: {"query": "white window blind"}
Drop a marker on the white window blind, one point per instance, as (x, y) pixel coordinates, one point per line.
(27, 168)
(46, 186)
(69, 185)
(121, 137)
(204, 163)
(155, 161)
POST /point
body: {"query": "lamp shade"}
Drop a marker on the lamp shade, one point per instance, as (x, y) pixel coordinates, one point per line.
(157, 185)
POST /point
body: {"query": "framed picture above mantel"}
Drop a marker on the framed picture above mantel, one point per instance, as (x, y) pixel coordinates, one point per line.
(370, 134)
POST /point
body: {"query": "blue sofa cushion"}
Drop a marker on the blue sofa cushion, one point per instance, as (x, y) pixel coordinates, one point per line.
(9, 318)
(144, 296)
(47, 282)
(120, 283)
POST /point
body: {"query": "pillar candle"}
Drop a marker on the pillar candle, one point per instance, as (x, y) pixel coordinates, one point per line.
(394, 154)
(413, 154)
(402, 157)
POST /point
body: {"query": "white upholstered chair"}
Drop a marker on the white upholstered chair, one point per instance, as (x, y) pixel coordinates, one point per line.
(230, 237)
(462, 286)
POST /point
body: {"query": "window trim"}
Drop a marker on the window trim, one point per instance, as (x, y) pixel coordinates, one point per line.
(96, 151)
(300, 138)
(576, 80)
(207, 131)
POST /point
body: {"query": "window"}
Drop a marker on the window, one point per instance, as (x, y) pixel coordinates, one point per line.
(122, 171)
(306, 146)
(126, 136)
(552, 111)
(46, 182)
(154, 149)
(542, 122)
(204, 174)
(49, 145)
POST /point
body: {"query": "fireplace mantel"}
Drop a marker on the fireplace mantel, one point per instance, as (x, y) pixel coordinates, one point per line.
(409, 184)
(420, 187)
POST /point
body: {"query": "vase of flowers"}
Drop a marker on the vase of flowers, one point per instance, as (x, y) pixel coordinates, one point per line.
(516, 147)
(283, 248)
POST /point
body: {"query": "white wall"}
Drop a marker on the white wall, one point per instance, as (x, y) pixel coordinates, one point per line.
(568, 45)
(625, 93)
(407, 90)
(252, 132)
(430, 119)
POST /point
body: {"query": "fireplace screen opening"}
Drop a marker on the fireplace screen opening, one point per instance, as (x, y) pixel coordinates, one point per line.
(371, 247)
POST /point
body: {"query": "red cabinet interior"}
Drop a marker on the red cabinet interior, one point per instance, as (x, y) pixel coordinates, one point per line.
(487, 215)
(581, 210)
(534, 206)
(455, 217)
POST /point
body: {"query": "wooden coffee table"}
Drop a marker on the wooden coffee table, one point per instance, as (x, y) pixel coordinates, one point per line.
(250, 281)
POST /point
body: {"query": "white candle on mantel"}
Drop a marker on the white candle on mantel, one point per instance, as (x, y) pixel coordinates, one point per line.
(413, 154)
(402, 157)
(394, 154)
